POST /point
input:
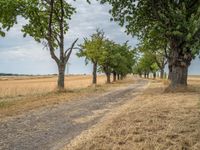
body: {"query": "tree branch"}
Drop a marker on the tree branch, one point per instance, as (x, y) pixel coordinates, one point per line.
(69, 51)
(49, 39)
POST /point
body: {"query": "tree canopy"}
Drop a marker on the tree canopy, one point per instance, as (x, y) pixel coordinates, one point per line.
(176, 23)
(110, 57)
(9, 10)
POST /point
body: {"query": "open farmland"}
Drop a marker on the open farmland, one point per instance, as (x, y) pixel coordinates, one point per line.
(21, 94)
(23, 86)
(70, 80)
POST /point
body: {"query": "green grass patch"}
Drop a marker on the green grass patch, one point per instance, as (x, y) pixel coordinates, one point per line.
(5, 104)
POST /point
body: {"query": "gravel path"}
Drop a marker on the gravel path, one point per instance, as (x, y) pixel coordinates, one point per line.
(52, 128)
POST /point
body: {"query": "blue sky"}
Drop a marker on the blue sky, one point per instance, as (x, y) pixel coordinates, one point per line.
(24, 55)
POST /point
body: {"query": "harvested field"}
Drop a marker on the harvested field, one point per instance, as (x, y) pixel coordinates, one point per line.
(155, 120)
(76, 87)
(23, 86)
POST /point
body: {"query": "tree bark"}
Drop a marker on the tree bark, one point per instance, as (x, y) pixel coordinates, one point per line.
(179, 62)
(154, 75)
(170, 69)
(94, 78)
(114, 76)
(179, 76)
(108, 77)
(162, 73)
(61, 76)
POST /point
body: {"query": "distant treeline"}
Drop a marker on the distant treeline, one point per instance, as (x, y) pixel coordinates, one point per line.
(11, 74)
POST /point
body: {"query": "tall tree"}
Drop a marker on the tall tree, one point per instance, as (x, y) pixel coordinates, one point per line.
(48, 23)
(91, 49)
(176, 21)
(107, 57)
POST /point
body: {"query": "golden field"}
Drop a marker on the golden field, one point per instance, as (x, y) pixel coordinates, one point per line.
(21, 94)
(23, 86)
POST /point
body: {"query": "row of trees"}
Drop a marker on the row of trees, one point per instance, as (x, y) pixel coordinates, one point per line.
(171, 27)
(47, 23)
(107, 56)
(167, 30)
(151, 61)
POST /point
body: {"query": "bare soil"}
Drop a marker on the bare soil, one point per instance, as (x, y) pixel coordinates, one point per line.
(54, 126)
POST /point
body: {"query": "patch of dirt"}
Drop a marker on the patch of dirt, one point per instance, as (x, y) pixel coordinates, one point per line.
(155, 120)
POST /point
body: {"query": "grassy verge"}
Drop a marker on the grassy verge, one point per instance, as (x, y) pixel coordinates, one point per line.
(15, 105)
(155, 120)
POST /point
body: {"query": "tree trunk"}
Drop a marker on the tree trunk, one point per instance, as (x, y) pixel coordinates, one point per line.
(178, 64)
(148, 75)
(162, 73)
(170, 70)
(94, 79)
(121, 77)
(154, 75)
(179, 76)
(108, 77)
(114, 76)
(140, 75)
(61, 76)
(118, 76)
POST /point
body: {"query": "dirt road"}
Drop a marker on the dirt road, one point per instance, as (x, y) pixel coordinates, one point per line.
(54, 127)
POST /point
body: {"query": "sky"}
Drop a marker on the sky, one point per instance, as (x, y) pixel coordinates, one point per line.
(25, 56)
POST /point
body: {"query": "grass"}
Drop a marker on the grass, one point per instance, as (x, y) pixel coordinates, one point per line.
(154, 121)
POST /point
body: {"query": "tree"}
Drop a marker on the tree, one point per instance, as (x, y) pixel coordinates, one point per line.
(146, 65)
(47, 23)
(9, 10)
(177, 22)
(124, 59)
(157, 54)
(106, 58)
(117, 59)
(91, 49)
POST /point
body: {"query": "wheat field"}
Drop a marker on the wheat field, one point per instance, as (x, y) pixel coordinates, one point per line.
(23, 86)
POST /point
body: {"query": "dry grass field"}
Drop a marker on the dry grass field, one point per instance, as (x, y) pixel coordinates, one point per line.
(23, 86)
(156, 120)
(21, 94)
